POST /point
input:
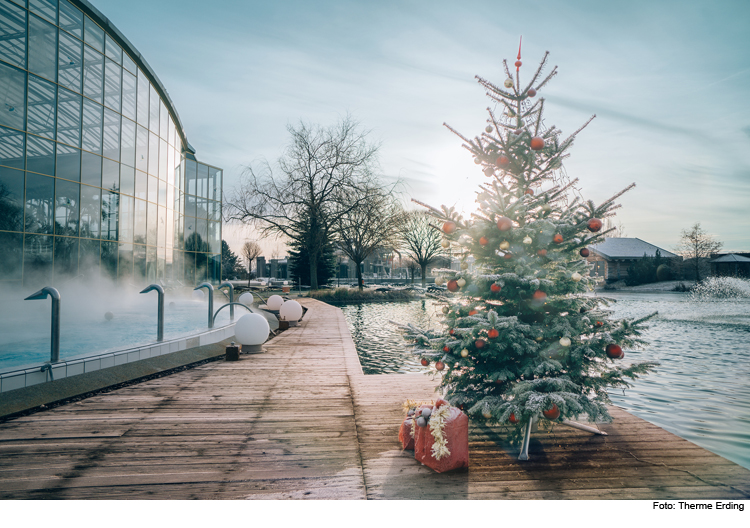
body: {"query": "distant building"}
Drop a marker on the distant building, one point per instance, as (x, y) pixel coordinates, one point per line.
(260, 267)
(732, 265)
(612, 257)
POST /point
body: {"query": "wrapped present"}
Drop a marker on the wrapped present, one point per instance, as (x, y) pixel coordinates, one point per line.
(405, 433)
(443, 443)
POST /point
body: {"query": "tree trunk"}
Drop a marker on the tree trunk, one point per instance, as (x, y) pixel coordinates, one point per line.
(360, 282)
(424, 275)
(313, 270)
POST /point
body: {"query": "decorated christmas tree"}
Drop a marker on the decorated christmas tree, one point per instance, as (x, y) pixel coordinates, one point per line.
(524, 338)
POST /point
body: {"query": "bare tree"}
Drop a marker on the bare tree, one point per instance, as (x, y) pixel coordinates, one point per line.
(369, 225)
(304, 202)
(250, 251)
(421, 241)
(619, 229)
(696, 244)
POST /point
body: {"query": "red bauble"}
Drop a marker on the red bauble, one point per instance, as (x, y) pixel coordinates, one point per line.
(557, 239)
(599, 323)
(552, 414)
(512, 419)
(537, 143)
(424, 362)
(446, 349)
(495, 288)
(531, 92)
(518, 131)
(473, 312)
(594, 225)
(483, 241)
(449, 227)
(492, 333)
(489, 171)
(502, 162)
(615, 351)
(529, 191)
(479, 343)
(504, 223)
(508, 256)
(451, 331)
(452, 285)
(542, 252)
(539, 295)
(439, 365)
(585, 252)
(518, 64)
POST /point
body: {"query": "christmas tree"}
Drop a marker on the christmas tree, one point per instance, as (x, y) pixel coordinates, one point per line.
(523, 338)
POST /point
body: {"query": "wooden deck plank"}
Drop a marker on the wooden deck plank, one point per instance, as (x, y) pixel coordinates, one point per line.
(301, 421)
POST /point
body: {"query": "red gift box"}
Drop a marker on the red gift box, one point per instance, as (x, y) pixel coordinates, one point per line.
(456, 433)
(404, 434)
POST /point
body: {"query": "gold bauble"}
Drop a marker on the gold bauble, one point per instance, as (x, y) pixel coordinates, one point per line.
(576, 276)
(527, 240)
(464, 353)
(508, 83)
(461, 283)
(565, 341)
(504, 245)
(445, 243)
(464, 265)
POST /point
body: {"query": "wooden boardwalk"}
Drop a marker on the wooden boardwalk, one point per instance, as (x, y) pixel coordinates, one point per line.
(301, 421)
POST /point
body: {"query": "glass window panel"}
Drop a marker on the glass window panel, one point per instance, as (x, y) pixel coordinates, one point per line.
(66, 258)
(127, 143)
(91, 205)
(125, 263)
(170, 131)
(163, 121)
(179, 231)
(71, 19)
(40, 155)
(112, 88)
(190, 205)
(151, 264)
(190, 177)
(129, 85)
(201, 267)
(214, 244)
(70, 62)
(170, 228)
(139, 222)
(93, 74)
(93, 35)
(139, 262)
(201, 208)
(41, 107)
(13, 34)
(11, 200)
(37, 260)
(190, 268)
(40, 191)
(12, 97)
(91, 169)
(112, 49)
(127, 204)
(153, 189)
(88, 257)
(110, 214)
(202, 182)
(160, 262)
(69, 117)
(151, 221)
(143, 88)
(214, 211)
(129, 63)
(92, 126)
(201, 227)
(11, 147)
(68, 163)
(169, 261)
(153, 154)
(162, 193)
(110, 175)
(42, 48)
(45, 8)
(111, 137)
(127, 180)
(180, 174)
(191, 234)
(153, 110)
(163, 165)
(211, 183)
(109, 259)
(11, 257)
(141, 185)
(170, 165)
(141, 149)
(170, 197)
(67, 207)
(161, 227)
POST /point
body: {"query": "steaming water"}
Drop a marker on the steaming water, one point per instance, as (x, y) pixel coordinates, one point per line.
(84, 330)
(700, 391)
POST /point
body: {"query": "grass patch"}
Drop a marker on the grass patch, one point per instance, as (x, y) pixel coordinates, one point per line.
(351, 296)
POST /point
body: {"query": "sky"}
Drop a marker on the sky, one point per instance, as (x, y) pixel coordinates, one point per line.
(668, 81)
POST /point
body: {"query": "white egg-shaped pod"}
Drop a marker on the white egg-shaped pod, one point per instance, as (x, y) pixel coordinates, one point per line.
(290, 311)
(251, 331)
(198, 295)
(246, 298)
(274, 302)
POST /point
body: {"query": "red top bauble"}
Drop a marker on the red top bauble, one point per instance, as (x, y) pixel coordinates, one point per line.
(483, 241)
(552, 414)
(539, 295)
(542, 252)
(502, 162)
(594, 225)
(512, 419)
(615, 351)
(479, 343)
(518, 64)
(453, 285)
(495, 288)
(504, 223)
(492, 333)
(537, 143)
(557, 239)
(531, 92)
(439, 365)
(424, 362)
(585, 252)
(449, 227)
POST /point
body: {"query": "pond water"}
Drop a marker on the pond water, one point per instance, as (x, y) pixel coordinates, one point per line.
(700, 391)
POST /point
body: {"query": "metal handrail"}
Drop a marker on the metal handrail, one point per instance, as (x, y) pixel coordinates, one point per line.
(231, 307)
(231, 299)
(210, 289)
(160, 315)
(55, 326)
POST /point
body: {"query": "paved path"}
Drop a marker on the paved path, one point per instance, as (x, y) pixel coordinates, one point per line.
(301, 421)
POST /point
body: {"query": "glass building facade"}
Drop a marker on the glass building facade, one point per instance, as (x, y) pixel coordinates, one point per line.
(96, 174)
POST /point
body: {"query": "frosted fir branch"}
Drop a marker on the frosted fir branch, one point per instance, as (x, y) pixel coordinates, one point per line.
(539, 69)
(446, 125)
(548, 78)
(505, 67)
(569, 140)
(538, 123)
(493, 88)
(433, 209)
(616, 196)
